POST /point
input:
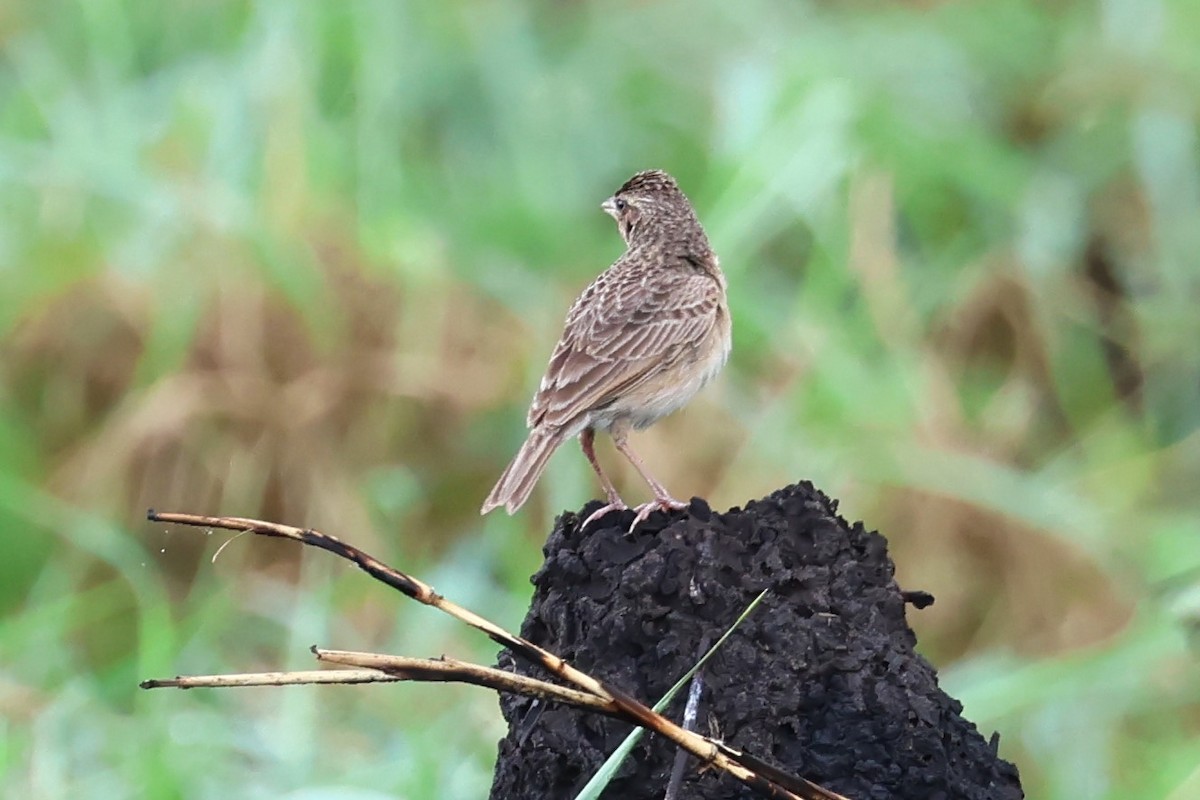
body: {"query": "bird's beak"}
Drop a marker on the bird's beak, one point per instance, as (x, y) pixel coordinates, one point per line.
(610, 207)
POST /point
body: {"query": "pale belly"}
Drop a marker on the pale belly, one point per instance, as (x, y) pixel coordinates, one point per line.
(668, 392)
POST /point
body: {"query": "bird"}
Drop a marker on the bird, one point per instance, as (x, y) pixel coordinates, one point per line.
(638, 343)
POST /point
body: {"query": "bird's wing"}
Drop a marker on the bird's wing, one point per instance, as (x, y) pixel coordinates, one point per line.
(626, 326)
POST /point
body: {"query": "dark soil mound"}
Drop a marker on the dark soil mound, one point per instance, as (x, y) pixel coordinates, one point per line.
(821, 680)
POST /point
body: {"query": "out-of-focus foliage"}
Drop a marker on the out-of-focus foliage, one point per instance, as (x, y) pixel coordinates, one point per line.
(305, 260)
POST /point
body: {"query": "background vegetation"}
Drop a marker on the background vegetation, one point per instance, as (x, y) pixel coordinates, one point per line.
(305, 260)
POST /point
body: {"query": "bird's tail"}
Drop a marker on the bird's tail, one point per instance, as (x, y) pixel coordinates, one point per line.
(514, 486)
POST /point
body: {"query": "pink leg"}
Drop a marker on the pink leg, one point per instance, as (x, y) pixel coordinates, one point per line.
(587, 440)
(662, 498)
(615, 503)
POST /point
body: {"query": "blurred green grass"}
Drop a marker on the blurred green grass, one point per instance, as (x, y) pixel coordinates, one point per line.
(306, 260)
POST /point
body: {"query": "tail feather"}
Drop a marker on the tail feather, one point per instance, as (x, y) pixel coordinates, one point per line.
(518, 480)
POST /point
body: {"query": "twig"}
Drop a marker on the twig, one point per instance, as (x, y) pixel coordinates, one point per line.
(764, 779)
(272, 679)
(451, 670)
(377, 668)
(690, 710)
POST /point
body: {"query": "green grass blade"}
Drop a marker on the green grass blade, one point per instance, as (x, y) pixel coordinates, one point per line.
(608, 769)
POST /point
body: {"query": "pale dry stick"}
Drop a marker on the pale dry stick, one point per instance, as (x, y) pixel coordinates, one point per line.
(449, 670)
(764, 779)
(689, 720)
(378, 668)
(300, 678)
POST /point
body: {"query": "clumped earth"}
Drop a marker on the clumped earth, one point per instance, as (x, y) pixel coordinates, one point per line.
(821, 680)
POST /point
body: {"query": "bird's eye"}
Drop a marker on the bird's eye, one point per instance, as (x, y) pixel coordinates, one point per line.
(620, 204)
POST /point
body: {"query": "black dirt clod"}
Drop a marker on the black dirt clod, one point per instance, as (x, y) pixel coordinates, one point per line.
(821, 680)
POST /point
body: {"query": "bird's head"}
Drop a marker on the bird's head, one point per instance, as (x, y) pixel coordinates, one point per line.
(648, 205)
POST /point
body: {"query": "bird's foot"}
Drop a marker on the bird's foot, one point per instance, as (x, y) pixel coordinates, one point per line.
(613, 505)
(665, 503)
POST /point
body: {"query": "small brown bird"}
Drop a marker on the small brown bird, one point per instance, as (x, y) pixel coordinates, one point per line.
(638, 343)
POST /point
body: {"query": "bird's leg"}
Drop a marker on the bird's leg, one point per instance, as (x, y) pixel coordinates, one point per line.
(587, 440)
(662, 498)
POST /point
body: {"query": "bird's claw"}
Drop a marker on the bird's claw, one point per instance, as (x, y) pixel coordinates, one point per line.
(643, 511)
(657, 504)
(615, 505)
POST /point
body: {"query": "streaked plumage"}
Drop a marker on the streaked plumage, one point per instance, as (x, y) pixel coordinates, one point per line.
(638, 343)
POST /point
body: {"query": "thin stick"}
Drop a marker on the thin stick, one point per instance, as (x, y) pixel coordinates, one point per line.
(690, 710)
(764, 779)
(449, 670)
(272, 679)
